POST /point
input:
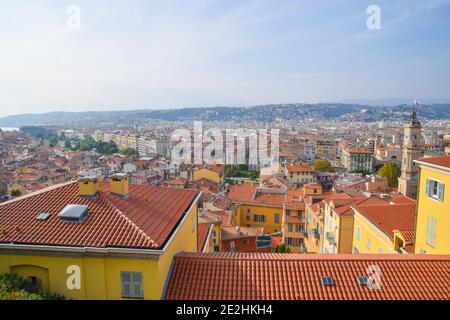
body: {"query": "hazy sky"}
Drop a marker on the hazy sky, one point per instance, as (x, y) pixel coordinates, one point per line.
(160, 54)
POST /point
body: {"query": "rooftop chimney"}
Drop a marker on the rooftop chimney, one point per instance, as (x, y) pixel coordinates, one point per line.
(88, 186)
(119, 184)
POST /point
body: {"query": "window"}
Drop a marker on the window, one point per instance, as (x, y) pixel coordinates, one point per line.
(435, 190)
(431, 232)
(288, 213)
(259, 218)
(327, 280)
(277, 218)
(358, 234)
(232, 246)
(247, 217)
(132, 285)
(380, 251)
(290, 227)
(368, 243)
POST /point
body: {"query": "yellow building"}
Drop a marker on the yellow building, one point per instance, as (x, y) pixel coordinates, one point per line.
(338, 223)
(384, 228)
(82, 240)
(433, 206)
(258, 207)
(213, 173)
(294, 219)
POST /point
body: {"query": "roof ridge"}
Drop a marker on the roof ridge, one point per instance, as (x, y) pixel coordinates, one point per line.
(128, 220)
(38, 192)
(316, 257)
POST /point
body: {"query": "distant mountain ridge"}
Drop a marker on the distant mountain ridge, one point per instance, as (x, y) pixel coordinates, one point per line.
(262, 113)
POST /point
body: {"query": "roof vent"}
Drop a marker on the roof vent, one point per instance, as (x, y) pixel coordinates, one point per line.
(44, 216)
(327, 281)
(73, 213)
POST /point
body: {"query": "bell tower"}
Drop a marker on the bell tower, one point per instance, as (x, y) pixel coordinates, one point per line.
(412, 150)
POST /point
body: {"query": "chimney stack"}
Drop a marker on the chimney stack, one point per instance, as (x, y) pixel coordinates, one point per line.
(119, 184)
(88, 186)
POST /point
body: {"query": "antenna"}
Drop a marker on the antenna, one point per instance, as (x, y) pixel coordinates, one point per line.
(414, 114)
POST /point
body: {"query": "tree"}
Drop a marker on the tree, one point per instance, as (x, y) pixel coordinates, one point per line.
(323, 166)
(14, 287)
(128, 152)
(16, 193)
(391, 172)
(283, 249)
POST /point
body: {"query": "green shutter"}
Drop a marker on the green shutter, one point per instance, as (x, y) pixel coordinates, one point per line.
(428, 187)
(441, 192)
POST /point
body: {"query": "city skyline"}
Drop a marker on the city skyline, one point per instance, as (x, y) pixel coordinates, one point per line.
(210, 53)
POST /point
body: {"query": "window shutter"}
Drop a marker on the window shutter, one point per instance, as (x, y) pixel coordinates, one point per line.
(441, 192)
(433, 232)
(428, 187)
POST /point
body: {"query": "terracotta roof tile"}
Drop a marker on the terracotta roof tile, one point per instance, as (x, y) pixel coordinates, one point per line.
(390, 217)
(144, 220)
(203, 231)
(443, 161)
(257, 276)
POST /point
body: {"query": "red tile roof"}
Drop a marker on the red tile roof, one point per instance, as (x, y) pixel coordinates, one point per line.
(257, 276)
(145, 220)
(390, 217)
(299, 167)
(202, 236)
(443, 161)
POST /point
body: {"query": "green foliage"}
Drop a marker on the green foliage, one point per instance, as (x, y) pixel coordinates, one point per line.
(128, 152)
(323, 166)
(391, 172)
(283, 249)
(16, 193)
(14, 287)
(240, 171)
(216, 248)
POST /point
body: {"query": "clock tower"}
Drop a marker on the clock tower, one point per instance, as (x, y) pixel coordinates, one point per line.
(412, 150)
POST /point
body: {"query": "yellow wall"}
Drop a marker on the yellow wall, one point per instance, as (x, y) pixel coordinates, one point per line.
(379, 241)
(343, 233)
(100, 277)
(313, 244)
(428, 207)
(269, 212)
(206, 174)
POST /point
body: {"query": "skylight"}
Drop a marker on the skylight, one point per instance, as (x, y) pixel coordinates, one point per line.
(73, 213)
(327, 281)
(43, 216)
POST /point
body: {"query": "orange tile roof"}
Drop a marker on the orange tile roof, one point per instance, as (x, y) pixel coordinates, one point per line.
(345, 206)
(443, 161)
(265, 276)
(390, 217)
(145, 220)
(202, 236)
(402, 199)
(299, 167)
(230, 233)
(242, 193)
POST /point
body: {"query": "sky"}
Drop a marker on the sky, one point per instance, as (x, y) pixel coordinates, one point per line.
(135, 54)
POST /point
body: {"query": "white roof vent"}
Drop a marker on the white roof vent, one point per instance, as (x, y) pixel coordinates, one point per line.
(73, 213)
